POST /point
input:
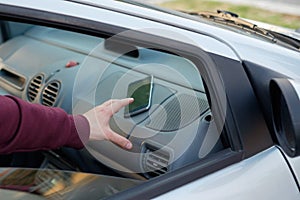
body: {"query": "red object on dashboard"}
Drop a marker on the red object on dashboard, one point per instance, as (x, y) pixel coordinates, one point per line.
(71, 64)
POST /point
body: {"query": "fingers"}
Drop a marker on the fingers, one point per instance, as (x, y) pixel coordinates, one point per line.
(117, 104)
(119, 140)
(99, 122)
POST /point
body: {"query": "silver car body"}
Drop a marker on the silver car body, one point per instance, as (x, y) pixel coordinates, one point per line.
(266, 175)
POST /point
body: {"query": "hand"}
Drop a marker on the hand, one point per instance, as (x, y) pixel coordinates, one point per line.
(99, 117)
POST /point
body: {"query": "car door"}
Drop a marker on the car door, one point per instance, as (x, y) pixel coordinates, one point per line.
(248, 154)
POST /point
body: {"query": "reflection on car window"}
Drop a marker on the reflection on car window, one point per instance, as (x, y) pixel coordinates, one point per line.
(175, 128)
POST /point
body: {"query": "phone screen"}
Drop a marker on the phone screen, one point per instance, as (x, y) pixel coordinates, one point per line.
(141, 91)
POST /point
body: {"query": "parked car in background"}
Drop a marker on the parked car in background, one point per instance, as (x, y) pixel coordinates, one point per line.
(216, 101)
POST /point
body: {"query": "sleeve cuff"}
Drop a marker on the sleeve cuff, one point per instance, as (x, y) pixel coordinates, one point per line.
(80, 132)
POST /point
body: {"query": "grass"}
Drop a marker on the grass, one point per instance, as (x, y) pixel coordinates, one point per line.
(285, 20)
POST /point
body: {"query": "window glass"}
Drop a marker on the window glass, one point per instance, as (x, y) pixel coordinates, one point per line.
(171, 124)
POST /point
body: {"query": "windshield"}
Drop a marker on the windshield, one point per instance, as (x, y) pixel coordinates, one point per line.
(231, 21)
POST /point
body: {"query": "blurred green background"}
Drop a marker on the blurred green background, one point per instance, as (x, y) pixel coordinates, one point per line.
(244, 11)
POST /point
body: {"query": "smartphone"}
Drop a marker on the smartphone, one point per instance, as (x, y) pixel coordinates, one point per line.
(141, 91)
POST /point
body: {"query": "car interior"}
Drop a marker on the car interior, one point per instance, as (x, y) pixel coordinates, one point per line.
(170, 123)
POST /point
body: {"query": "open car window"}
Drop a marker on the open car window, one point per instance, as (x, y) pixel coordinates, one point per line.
(171, 123)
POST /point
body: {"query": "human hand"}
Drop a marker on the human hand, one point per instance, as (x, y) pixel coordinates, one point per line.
(99, 117)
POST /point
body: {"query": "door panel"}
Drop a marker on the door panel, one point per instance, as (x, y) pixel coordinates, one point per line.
(263, 176)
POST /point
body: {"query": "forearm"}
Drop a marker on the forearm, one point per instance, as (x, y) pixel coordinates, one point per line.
(28, 127)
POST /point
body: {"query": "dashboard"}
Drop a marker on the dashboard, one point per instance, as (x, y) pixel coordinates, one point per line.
(76, 72)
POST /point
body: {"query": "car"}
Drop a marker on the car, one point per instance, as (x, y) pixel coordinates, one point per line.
(216, 110)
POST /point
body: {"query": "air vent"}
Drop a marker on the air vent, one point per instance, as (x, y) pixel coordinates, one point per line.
(50, 93)
(34, 87)
(155, 161)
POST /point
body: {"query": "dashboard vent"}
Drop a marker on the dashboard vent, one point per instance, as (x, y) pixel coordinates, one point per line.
(50, 93)
(34, 87)
(155, 161)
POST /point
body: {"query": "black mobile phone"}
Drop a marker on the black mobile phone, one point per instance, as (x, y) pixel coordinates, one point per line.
(141, 91)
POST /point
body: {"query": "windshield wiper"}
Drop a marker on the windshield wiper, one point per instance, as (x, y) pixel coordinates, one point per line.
(233, 19)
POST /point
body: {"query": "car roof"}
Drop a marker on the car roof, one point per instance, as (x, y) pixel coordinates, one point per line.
(210, 37)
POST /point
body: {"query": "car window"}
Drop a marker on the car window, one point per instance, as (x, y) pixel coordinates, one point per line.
(171, 123)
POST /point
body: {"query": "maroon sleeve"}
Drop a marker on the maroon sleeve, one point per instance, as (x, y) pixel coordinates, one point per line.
(28, 127)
